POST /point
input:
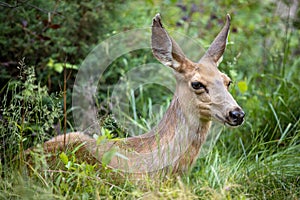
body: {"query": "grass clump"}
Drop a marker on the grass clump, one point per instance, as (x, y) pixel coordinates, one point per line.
(28, 114)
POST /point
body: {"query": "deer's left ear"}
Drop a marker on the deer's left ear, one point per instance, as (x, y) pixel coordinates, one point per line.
(217, 47)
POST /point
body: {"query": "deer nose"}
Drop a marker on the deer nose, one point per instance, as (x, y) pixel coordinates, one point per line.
(237, 116)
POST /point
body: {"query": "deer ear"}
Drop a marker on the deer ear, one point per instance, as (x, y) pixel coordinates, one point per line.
(164, 48)
(217, 47)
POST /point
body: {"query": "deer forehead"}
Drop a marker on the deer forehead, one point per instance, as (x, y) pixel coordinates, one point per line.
(208, 74)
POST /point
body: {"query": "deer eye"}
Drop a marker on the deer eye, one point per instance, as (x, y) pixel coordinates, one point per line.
(197, 85)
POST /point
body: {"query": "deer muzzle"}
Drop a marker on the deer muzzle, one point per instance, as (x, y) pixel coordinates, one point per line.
(235, 117)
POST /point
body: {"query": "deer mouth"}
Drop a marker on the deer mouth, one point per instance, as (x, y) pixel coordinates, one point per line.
(226, 121)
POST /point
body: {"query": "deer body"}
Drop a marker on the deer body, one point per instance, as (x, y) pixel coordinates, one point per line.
(174, 144)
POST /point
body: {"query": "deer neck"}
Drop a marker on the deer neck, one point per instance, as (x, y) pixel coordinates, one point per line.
(174, 143)
(180, 122)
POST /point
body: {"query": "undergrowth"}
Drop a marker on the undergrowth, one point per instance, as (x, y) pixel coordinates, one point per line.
(266, 166)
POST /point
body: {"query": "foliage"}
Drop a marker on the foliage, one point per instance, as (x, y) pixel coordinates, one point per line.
(28, 113)
(259, 160)
(50, 31)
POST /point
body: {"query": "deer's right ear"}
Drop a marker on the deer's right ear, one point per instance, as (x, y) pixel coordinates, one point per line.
(164, 48)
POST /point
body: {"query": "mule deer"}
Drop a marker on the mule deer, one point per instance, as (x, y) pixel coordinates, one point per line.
(173, 145)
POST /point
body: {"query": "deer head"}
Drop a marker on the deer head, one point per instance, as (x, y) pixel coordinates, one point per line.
(201, 88)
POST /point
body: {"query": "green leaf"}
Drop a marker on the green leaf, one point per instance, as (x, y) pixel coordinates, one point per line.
(50, 63)
(59, 67)
(69, 165)
(70, 66)
(64, 158)
(101, 139)
(107, 156)
(243, 87)
(106, 132)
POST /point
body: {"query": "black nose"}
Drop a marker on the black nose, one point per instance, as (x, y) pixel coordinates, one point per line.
(237, 116)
